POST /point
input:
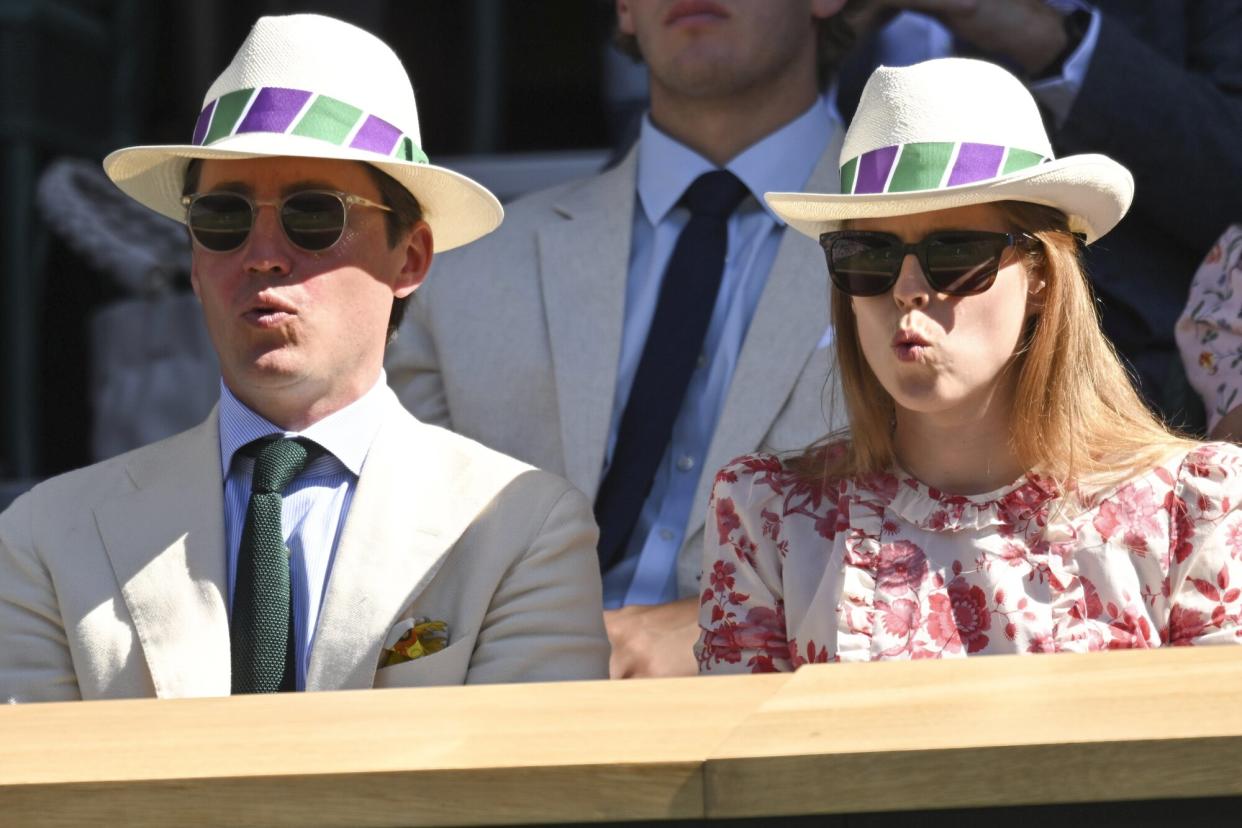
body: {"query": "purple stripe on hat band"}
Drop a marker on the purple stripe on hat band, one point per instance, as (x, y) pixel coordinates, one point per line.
(204, 121)
(873, 169)
(975, 162)
(273, 110)
(376, 135)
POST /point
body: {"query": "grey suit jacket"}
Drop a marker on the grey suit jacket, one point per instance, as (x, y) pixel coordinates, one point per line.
(515, 340)
(112, 577)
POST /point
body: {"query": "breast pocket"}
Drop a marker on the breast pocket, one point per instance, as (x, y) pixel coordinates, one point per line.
(447, 667)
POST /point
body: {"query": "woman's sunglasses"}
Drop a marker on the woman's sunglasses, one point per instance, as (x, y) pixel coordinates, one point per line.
(313, 220)
(955, 262)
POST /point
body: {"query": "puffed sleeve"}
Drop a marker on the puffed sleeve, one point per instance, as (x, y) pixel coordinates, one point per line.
(1205, 558)
(741, 608)
(1209, 332)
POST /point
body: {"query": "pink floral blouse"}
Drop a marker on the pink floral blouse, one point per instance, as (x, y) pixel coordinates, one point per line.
(887, 568)
(1209, 332)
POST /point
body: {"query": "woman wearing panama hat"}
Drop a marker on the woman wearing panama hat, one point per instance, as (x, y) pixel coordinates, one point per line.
(1002, 488)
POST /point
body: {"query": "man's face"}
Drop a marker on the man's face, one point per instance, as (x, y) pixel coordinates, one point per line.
(722, 48)
(301, 334)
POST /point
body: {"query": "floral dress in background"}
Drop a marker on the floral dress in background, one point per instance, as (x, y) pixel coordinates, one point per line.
(1209, 332)
(888, 568)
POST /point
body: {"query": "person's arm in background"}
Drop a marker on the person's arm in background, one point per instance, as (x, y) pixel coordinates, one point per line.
(1175, 125)
(413, 366)
(1209, 335)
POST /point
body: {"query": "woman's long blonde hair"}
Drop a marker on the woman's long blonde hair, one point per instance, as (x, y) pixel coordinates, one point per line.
(1077, 419)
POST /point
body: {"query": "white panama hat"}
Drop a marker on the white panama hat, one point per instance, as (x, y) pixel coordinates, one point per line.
(949, 133)
(311, 86)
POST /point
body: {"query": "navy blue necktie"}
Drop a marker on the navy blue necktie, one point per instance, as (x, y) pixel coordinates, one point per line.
(687, 296)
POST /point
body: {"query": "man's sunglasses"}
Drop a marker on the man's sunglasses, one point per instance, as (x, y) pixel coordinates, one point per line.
(955, 262)
(313, 220)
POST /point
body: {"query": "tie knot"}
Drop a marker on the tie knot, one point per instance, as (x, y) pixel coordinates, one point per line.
(715, 194)
(277, 461)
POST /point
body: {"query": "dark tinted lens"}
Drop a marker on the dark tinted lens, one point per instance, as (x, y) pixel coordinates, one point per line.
(313, 221)
(864, 265)
(961, 264)
(219, 221)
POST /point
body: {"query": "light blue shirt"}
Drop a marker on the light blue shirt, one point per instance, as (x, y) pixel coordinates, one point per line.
(315, 504)
(912, 38)
(783, 161)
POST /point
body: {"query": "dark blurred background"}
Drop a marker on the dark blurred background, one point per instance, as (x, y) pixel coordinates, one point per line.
(517, 93)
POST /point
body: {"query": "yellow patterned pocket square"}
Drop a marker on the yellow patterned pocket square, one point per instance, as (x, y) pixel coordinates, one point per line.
(413, 638)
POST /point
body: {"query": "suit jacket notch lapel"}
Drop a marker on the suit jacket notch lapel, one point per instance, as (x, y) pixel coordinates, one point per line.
(165, 540)
(583, 267)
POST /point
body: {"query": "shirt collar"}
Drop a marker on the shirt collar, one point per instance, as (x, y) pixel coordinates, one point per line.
(346, 434)
(780, 162)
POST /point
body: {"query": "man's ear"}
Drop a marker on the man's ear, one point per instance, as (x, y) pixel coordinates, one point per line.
(418, 246)
(625, 21)
(820, 9)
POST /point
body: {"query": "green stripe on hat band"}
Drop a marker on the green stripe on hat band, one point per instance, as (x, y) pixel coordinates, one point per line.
(920, 167)
(1020, 159)
(328, 120)
(298, 112)
(931, 165)
(847, 175)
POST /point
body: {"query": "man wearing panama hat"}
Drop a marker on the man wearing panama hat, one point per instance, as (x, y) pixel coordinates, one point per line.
(310, 534)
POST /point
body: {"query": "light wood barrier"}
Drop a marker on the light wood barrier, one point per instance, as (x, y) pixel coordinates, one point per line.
(827, 739)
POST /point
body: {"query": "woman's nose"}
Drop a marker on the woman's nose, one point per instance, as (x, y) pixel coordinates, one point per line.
(911, 289)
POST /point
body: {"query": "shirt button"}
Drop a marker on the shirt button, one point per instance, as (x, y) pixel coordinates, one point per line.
(685, 463)
(666, 534)
(701, 361)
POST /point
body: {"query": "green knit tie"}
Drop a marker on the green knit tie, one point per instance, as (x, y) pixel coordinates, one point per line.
(261, 630)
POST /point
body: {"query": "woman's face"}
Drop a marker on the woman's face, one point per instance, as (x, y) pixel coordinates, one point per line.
(937, 354)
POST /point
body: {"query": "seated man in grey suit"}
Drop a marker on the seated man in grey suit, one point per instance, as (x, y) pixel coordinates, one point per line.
(636, 330)
(310, 534)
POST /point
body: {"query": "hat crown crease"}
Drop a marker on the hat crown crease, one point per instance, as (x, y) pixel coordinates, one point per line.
(325, 57)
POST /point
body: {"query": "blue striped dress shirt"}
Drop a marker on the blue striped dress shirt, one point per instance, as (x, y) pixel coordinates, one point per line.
(315, 503)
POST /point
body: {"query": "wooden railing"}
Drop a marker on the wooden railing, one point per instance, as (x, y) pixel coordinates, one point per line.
(827, 739)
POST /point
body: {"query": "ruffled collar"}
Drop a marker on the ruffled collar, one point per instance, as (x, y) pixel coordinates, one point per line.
(929, 508)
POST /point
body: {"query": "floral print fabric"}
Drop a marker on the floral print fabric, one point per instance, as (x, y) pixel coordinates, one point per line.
(887, 568)
(1209, 332)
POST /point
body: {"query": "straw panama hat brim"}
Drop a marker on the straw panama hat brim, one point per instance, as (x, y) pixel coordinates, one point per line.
(458, 209)
(282, 96)
(1093, 190)
(954, 132)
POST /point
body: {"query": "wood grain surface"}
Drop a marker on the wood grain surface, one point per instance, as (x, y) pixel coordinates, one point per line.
(996, 730)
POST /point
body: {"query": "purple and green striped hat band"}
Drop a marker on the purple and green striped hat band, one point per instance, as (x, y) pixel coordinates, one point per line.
(932, 165)
(284, 111)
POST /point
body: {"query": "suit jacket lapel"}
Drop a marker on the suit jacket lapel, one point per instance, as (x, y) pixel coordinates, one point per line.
(583, 266)
(787, 326)
(411, 505)
(165, 540)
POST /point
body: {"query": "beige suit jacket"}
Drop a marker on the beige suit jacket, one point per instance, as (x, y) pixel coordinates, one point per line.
(515, 340)
(112, 577)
